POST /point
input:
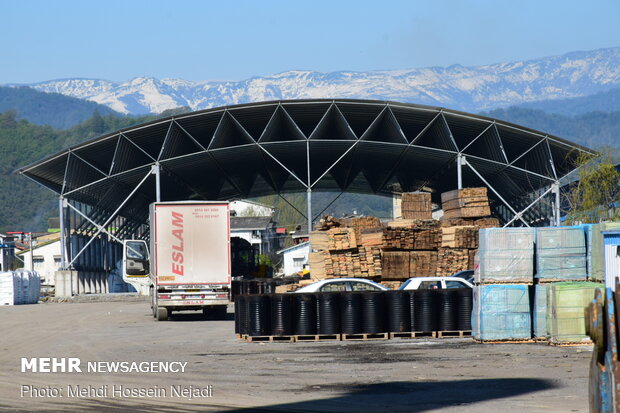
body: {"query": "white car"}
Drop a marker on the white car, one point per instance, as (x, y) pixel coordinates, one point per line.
(435, 283)
(342, 284)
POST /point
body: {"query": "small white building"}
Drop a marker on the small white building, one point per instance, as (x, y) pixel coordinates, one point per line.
(250, 209)
(7, 252)
(46, 260)
(260, 232)
(294, 258)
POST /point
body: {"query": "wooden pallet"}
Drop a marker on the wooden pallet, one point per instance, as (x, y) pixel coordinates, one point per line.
(270, 339)
(414, 334)
(541, 339)
(494, 282)
(318, 337)
(366, 336)
(570, 343)
(454, 334)
(557, 280)
(507, 341)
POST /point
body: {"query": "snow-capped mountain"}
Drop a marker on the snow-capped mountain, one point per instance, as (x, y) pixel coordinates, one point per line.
(456, 87)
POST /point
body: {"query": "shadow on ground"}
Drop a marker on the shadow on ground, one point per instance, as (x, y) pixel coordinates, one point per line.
(379, 397)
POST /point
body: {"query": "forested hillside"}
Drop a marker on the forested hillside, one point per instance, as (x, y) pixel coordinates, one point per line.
(593, 129)
(25, 205)
(51, 109)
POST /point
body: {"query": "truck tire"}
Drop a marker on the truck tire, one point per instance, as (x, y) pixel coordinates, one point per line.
(162, 313)
(219, 312)
(153, 302)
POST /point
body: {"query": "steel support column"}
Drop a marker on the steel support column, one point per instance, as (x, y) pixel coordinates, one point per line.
(556, 207)
(63, 232)
(155, 170)
(459, 171)
(309, 209)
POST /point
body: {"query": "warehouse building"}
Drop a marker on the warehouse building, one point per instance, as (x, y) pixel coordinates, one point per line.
(105, 185)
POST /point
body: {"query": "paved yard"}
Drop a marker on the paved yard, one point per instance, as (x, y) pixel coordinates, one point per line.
(224, 374)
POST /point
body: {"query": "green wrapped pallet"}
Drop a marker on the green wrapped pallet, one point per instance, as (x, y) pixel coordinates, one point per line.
(566, 306)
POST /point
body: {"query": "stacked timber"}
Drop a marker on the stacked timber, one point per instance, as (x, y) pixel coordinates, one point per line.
(422, 263)
(486, 222)
(416, 205)
(466, 203)
(412, 235)
(346, 248)
(341, 239)
(451, 260)
(395, 265)
(363, 224)
(460, 237)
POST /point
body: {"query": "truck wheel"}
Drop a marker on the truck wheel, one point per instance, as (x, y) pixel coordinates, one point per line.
(162, 313)
(219, 312)
(153, 302)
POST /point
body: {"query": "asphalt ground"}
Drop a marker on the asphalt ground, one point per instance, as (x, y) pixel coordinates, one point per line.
(225, 374)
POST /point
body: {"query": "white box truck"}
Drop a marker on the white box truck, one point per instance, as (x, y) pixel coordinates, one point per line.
(188, 267)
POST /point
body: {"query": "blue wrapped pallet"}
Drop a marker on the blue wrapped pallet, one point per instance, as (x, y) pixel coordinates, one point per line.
(540, 311)
(561, 254)
(501, 312)
(505, 255)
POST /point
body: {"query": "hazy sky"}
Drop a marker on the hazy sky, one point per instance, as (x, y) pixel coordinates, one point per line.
(236, 39)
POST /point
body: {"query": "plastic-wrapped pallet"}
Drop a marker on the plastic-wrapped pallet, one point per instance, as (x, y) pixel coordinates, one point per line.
(501, 312)
(566, 306)
(540, 311)
(595, 255)
(561, 254)
(595, 252)
(505, 255)
(10, 286)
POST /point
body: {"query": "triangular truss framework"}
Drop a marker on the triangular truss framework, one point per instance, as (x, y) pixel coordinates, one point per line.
(293, 146)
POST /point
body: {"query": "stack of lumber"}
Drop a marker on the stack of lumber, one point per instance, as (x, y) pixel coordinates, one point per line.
(328, 222)
(364, 224)
(341, 239)
(412, 235)
(486, 222)
(319, 240)
(395, 265)
(422, 263)
(466, 203)
(340, 253)
(416, 205)
(451, 260)
(320, 264)
(460, 237)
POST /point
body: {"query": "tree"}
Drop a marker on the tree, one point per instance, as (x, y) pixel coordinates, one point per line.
(595, 196)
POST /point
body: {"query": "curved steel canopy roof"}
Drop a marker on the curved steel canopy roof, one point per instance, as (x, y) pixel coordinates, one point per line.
(289, 146)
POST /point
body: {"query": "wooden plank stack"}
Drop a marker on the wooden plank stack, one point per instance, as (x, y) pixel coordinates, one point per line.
(414, 246)
(341, 239)
(395, 265)
(460, 237)
(422, 263)
(451, 260)
(346, 251)
(466, 203)
(416, 205)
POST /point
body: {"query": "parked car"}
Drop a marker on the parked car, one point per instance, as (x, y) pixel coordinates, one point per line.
(466, 275)
(435, 283)
(342, 284)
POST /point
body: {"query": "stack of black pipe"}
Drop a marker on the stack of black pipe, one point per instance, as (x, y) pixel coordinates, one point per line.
(332, 313)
